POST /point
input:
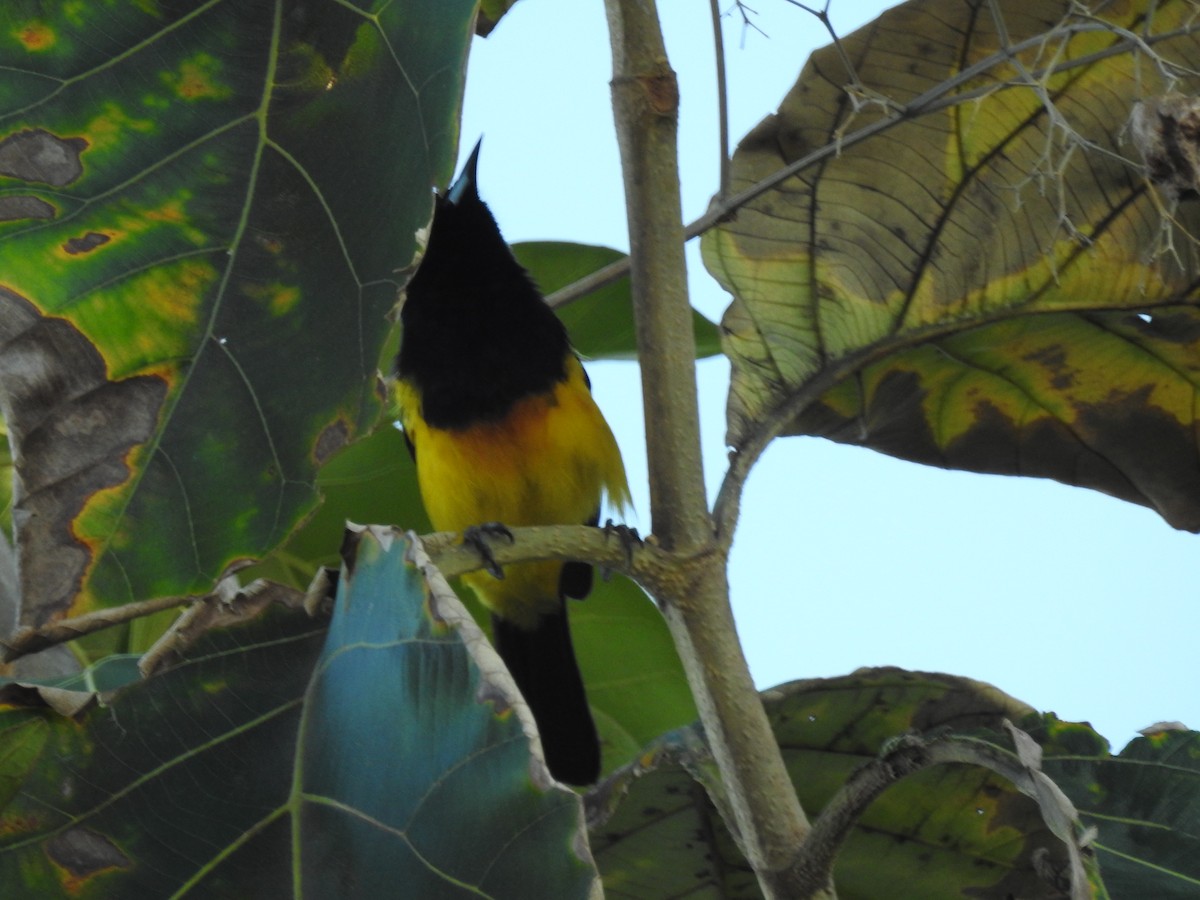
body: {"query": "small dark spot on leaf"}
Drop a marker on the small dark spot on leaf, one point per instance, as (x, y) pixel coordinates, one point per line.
(1054, 359)
(83, 852)
(651, 811)
(19, 207)
(38, 155)
(331, 439)
(89, 241)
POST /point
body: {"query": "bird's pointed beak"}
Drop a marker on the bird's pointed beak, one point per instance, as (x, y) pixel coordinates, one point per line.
(465, 183)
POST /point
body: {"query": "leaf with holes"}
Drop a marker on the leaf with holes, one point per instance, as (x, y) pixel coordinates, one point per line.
(205, 208)
(975, 271)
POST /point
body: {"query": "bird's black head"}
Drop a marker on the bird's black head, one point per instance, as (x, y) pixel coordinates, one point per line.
(477, 334)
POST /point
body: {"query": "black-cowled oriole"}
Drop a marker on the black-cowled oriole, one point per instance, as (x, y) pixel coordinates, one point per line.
(499, 415)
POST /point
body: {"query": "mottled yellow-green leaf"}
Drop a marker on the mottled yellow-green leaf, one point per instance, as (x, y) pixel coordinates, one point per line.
(987, 280)
(948, 831)
(205, 212)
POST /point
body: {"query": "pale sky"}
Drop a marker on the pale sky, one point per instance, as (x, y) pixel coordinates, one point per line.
(1069, 600)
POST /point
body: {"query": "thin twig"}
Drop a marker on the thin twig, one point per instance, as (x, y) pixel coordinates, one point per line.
(31, 640)
(722, 100)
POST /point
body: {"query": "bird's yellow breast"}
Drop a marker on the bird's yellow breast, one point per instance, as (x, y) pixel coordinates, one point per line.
(548, 461)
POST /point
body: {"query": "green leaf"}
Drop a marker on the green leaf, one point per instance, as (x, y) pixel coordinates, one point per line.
(601, 322)
(207, 207)
(441, 800)
(278, 760)
(945, 832)
(204, 752)
(371, 481)
(635, 681)
(108, 674)
(22, 740)
(988, 280)
(1145, 804)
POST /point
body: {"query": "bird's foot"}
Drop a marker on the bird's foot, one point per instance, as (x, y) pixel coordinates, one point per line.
(477, 537)
(629, 538)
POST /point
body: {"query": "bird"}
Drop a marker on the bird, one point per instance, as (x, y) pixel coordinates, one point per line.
(498, 414)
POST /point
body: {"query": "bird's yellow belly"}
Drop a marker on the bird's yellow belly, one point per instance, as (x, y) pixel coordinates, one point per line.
(547, 462)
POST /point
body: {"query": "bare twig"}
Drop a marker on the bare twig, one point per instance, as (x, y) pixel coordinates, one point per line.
(747, 23)
(30, 640)
(722, 99)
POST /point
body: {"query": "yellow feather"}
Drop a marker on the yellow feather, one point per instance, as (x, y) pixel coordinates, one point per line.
(547, 462)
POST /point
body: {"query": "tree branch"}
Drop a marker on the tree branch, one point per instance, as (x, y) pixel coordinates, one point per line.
(767, 818)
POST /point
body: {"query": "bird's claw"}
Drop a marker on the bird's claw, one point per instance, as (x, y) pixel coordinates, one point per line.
(477, 537)
(629, 538)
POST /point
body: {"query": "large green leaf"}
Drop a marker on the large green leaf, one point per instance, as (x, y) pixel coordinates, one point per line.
(1145, 805)
(945, 832)
(372, 480)
(988, 280)
(435, 793)
(278, 760)
(635, 681)
(206, 207)
(200, 757)
(600, 322)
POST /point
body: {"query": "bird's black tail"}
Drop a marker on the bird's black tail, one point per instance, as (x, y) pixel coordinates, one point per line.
(542, 662)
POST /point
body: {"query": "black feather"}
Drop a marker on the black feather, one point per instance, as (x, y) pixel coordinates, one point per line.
(542, 662)
(478, 336)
